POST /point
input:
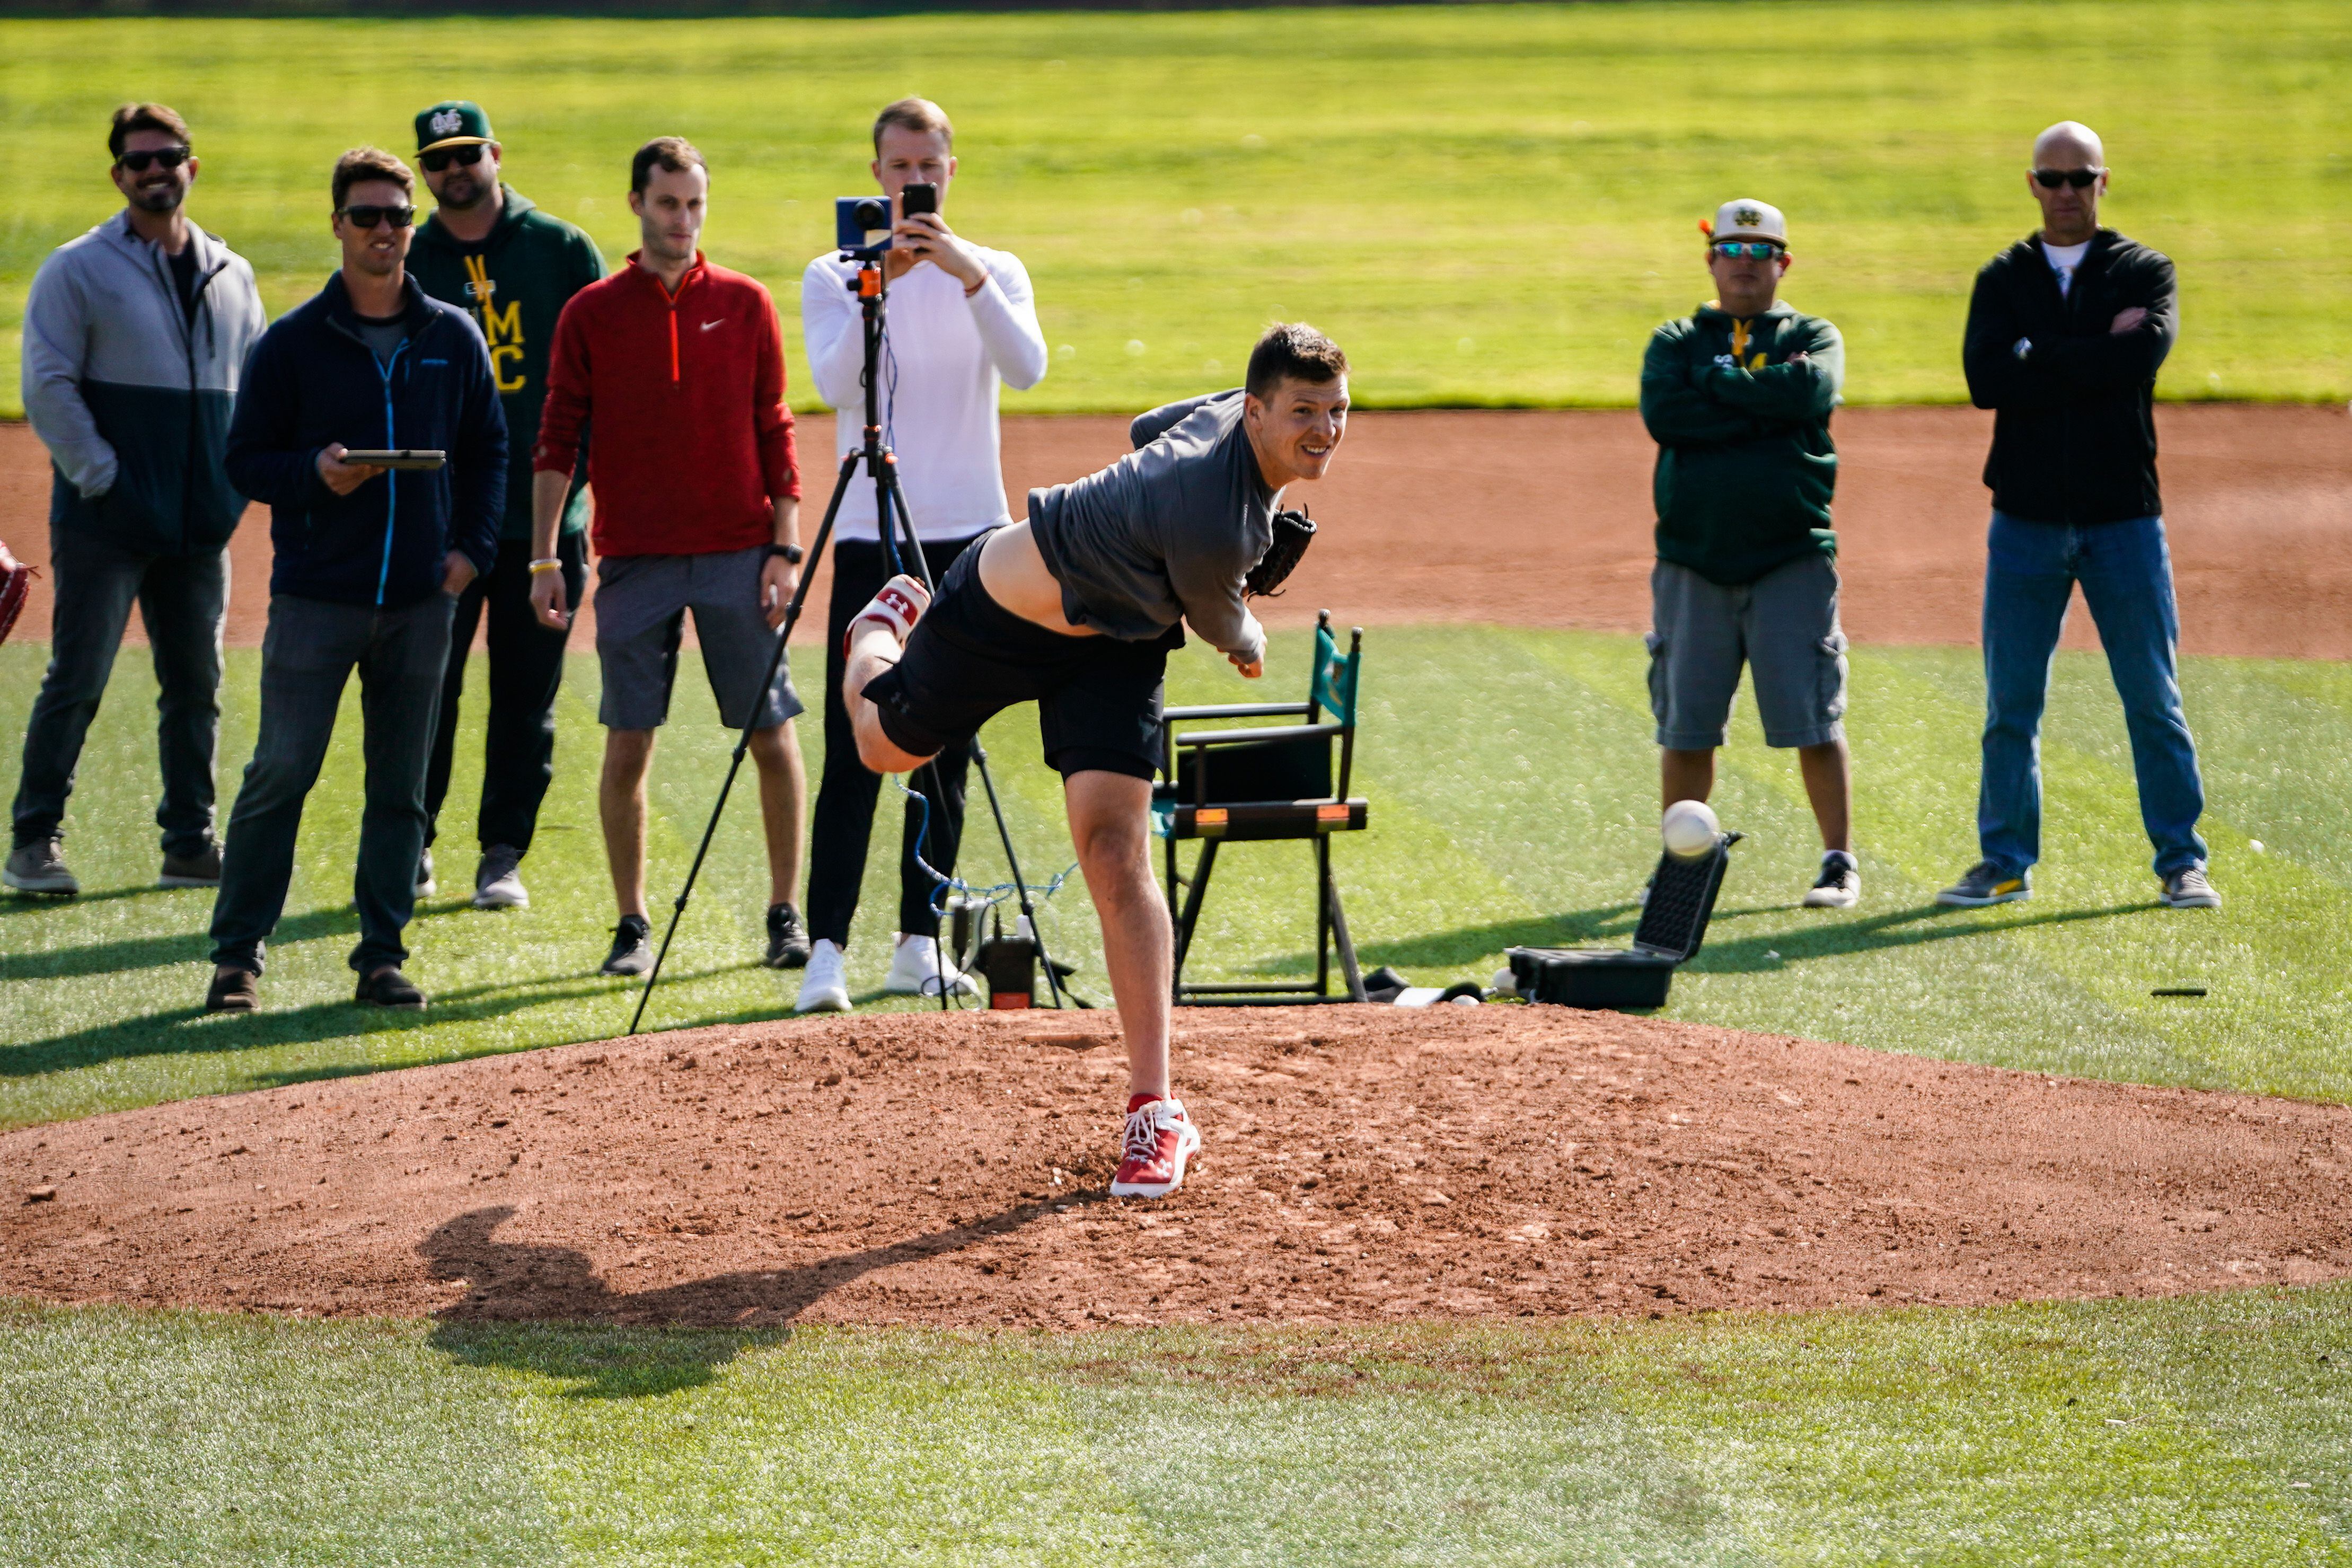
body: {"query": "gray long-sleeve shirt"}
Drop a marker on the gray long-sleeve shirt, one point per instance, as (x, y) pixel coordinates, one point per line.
(1169, 532)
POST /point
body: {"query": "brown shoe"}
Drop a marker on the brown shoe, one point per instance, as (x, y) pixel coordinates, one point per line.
(389, 988)
(233, 990)
(201, 869)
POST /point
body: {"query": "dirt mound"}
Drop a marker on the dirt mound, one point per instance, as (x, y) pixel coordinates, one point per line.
(1361, 1163)
(1543, 519)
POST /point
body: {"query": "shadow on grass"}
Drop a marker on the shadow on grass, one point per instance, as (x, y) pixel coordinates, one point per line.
(1832, 938)
(1463, 944)
(190, 1029)
(1836, 938)
(544, 1309)
(12, 903)
(190, 946)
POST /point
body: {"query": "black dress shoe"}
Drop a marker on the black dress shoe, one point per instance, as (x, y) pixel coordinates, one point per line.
(233, 990)
(389, 988)
(633, 947)
(788, 939)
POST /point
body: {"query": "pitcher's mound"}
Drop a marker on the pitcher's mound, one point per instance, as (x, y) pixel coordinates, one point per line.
(1361, 1163)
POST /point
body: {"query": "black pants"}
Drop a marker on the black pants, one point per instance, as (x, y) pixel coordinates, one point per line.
(182, 599)
(306, 660)
(844, 824)
(526, 672)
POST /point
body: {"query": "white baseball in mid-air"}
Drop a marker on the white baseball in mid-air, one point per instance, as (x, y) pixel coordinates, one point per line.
(1688, 827)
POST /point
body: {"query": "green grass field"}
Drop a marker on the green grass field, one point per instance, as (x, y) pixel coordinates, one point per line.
(2213, 1430)
(2200, 1432)
(1530, 822)
(1486, 205)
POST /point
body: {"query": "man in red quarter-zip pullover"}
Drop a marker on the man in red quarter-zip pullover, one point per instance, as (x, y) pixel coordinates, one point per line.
(682, 366)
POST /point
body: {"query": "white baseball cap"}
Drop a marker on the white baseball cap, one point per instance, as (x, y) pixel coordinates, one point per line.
(1746, 219)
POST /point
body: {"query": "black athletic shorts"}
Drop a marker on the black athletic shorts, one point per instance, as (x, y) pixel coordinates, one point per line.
(1097, 697)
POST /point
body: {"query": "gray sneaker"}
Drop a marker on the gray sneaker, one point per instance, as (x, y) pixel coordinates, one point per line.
(1986, 883)
(2187, 889)
(426, 886)
(198, 870)
(497, 882)
(39, 868)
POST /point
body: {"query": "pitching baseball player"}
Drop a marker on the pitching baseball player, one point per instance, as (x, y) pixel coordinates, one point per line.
(1077, 610)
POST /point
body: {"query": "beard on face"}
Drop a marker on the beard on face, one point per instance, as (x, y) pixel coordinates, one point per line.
(464, 191)
(154, 195)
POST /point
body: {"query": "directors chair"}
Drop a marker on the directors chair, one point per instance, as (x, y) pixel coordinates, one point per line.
(1271, 781)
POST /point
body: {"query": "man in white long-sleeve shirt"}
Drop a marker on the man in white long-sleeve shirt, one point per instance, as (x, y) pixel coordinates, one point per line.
(960, 321)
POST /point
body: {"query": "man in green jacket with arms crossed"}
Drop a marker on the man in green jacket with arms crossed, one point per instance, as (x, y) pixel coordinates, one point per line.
(1737, 396)
(488, 250)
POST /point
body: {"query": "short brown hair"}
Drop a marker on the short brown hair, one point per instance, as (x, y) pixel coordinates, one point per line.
(674, 154)
(918, 114)
(1296, 351)
(370, 163)
(144, 117)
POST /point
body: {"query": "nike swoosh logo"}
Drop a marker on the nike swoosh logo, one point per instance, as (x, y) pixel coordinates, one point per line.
(707, 325)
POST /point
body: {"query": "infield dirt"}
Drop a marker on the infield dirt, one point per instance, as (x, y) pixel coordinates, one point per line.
(1543, 519)
(1361, 1164)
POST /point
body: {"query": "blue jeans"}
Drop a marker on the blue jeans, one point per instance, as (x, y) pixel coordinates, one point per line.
(2125, 571)
(307, 656)
(181, 600)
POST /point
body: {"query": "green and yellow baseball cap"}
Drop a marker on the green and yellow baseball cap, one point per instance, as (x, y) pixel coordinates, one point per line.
(453, 123)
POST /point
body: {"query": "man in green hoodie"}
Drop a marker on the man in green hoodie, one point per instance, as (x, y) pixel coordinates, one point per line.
(488, 250)
(1737, 396)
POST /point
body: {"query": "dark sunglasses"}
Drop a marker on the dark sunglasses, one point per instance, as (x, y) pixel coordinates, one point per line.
(1753, 249)
(367, 215)
(168, 157)
(2081, 179)
(463, 157)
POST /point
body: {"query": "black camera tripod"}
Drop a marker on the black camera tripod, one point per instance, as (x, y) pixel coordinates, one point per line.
(892, 518)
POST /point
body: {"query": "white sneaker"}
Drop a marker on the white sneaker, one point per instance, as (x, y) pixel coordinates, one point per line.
(1840, 887)
(915, 970)
(823, 989)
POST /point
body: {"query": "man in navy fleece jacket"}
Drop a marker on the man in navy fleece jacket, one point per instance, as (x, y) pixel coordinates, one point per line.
(368, 566)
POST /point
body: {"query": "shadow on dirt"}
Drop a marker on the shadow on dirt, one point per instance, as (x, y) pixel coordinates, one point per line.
(545, 1310)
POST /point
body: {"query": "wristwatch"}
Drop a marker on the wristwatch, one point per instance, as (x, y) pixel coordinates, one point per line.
(791, 552)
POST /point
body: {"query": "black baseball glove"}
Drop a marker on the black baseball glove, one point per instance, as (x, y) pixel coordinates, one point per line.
(1293, 532)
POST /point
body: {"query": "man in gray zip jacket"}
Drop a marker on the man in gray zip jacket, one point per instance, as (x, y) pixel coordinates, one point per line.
(134, 337)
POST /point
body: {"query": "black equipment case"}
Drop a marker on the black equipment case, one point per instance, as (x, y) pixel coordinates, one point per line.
(1674, 923)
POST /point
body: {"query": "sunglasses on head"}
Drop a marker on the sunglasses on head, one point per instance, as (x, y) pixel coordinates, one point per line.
(463, 157)
(368, 215)
(1753, 249)
(2081, 179)
(164, 157)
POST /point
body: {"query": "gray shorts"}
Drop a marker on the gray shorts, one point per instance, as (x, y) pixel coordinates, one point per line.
(641, 605)
(1783, 626)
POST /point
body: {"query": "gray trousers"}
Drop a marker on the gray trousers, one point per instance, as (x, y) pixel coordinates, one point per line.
(306, 658)
(181, 600)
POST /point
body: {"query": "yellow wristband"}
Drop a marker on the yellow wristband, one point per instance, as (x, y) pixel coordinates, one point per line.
(550, 564)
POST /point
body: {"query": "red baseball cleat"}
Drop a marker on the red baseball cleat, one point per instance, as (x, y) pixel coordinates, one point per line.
(1159, 1140)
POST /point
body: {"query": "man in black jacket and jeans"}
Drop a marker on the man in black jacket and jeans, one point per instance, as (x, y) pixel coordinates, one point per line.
(2065, 333)
(368, 563)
